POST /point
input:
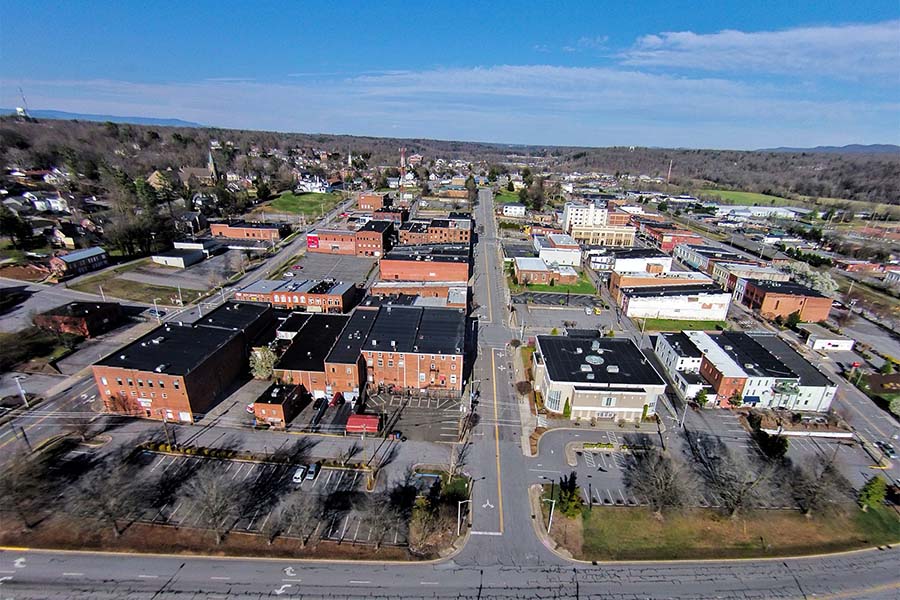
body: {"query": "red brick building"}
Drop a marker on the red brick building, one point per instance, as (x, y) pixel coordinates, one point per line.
(455, 295)
(314, 295)
(270, 232)
(303, 363)
(177, 370)
(87, 319)
(773, 299)
(278, 405)
(345, 370)
(370, 201)
(75, 263)
(414, 348)
(374, 238)
(397, 215)
(666, 236)
(332, 241)
(450, 230)
(441, 262)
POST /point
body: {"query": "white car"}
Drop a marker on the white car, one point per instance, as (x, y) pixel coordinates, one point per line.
(299, 475)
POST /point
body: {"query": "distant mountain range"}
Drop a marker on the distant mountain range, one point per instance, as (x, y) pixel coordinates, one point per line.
(849, 149)
(59, 114)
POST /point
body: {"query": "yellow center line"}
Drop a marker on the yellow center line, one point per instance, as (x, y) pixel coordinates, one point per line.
(863, 415)
(497, 440)
(487, 279)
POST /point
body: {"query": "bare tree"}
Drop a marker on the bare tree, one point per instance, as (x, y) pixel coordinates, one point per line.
(109, 493)
(81, 427)
(21, 489)
(379, 516)
(458, 455)
(301, 515)
(656, 476)
(732, 478)
(820, 486)
(348, 454)
(217, 499)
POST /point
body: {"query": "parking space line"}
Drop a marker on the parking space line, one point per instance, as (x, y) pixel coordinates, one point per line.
(159, 462)
(621, 495)
(611, 501)
(238, 472)
(589, 459)
(171, 462)
(229, 465)
(344, 531)
(250, 470)
(356, 533)
(597, 494)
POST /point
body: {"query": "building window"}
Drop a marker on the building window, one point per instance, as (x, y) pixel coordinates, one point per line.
(103, 379)
(162, 384)
(131, 383)
(164, 396)
(421, 376)
(119, 380)
(149, 383)
(140, 383)
(452, 367)
(609, 402)
(452, 378)
(380, 363)
(176, 384)
(133, 393)
(390, 363)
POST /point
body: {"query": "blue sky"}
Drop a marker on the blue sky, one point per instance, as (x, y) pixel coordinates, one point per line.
(666, 73)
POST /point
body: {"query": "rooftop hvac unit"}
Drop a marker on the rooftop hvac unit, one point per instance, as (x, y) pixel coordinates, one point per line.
(595, 345)
(729, 347)
(158, 340)
(374, 342)
(612, 368)
(579, 350)
(160, 368)
(586, 368)
(590, 376)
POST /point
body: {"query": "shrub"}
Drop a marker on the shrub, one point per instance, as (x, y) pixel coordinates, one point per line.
(872, 493)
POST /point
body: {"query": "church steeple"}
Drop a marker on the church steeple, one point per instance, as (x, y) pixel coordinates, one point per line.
(211, 165)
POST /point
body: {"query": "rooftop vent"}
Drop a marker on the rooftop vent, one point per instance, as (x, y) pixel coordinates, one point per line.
(590, 376)
(612, 368)
(374, 342)
(595, 345)
(593, 360)
(585, 368)
(158, 340)
(579, 350)
(729, 347)
(160, 368)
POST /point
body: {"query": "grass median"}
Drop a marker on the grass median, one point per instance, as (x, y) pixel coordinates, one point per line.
(679, 325)
(619, 533)
(309, 204)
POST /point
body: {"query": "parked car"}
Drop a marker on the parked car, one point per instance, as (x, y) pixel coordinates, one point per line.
(299, 475)
(249, 408)
(297, 267)
(288, 274)
(312, 472)
(588, 311)
(153, 312)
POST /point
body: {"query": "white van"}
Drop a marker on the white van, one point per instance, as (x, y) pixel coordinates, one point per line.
(299, 475)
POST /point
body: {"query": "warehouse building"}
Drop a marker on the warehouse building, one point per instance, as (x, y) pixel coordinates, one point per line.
(435, 262)
(269, 232)
(774, 299)
(180, 370)
(87, 319)
(303, 363)
(705, 302)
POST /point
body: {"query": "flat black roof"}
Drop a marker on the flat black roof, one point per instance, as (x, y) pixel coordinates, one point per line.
(254, 225)
(415, 226)
(294, 322)
(379, 226)
(375, 302)
(809, 374)
(79, 309)
(312, 343)
(606, 360)
(347, 348)
(682, 344)
(430, 252)
(276, 393)
(671, 290)
(639, 253)
(751, 356)
(418, 329)
(177, 349)
(785, 287)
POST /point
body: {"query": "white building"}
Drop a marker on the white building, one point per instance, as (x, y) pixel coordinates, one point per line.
(727, 274)
(558, 248)
(819, 338)
(592, 214)
(702, 257)
(704, 302)
(681, 359)
(514, 209)
(601, 378)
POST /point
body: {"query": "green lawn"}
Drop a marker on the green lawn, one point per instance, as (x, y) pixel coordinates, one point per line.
(130, 290)
(584, 286)
(310, 204)
(634, 533)
(746, 198)
(679, 325)
(505, 197)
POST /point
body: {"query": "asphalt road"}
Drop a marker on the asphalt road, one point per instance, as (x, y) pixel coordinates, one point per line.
(28, 575)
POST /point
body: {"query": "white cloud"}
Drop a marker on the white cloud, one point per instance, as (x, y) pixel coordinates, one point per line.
(852, 51)
(538, 104)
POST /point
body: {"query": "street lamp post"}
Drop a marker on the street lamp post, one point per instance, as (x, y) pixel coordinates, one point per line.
(459, 515)
(156, 310)
(19, 379)
(552, 507)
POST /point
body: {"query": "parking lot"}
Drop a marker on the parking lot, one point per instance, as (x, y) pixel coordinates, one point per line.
(421, 419)
(265, 488)
(342, 268)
